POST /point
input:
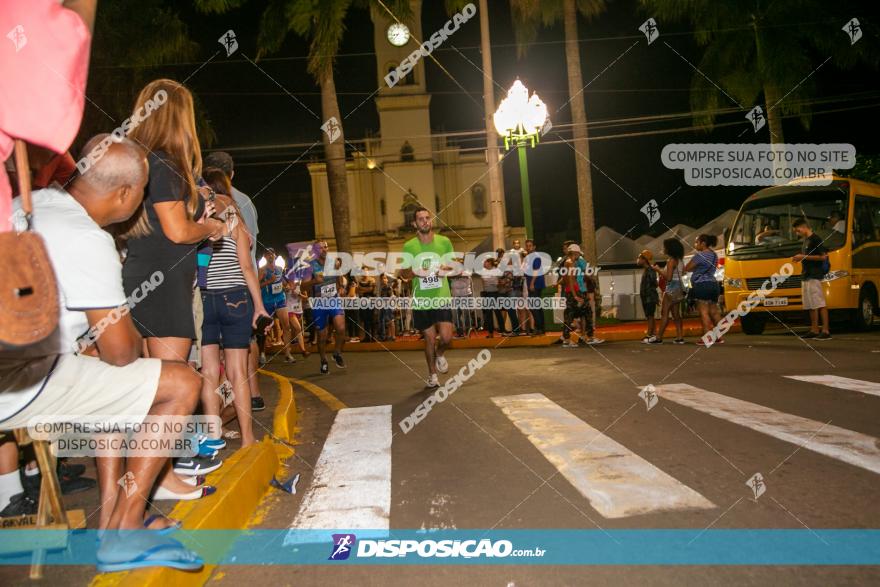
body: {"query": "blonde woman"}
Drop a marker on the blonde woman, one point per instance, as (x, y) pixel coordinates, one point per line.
(161, 241)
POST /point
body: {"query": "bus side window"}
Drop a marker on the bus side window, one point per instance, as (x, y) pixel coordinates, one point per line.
(866, 221)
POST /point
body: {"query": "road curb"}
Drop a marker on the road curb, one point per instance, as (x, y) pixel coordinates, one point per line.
(241, 483)
(628, 332)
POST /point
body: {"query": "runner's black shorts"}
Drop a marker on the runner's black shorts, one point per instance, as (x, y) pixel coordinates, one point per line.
(425, 319)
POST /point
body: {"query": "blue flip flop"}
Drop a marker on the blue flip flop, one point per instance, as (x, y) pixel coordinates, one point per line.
(177, 525)
(169, 553)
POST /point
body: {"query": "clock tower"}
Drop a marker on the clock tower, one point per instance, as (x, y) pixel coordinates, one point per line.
(405, 166)
(405, 150)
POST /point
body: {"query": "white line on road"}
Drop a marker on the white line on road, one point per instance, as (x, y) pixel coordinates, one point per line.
(351, 488)
(868, 387)
(838, 443)
(616, 481)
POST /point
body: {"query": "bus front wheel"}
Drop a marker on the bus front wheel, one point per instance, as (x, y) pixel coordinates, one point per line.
(752, 324)
(863, 315)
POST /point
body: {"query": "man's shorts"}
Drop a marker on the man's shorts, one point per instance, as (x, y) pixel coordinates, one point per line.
(425, 319)
(650, 308)
(81, 386)
(273, 306)
(812, 294)
(323, 316)
(574, 309)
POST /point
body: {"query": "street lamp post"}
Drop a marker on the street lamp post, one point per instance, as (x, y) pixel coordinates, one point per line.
(520, 119)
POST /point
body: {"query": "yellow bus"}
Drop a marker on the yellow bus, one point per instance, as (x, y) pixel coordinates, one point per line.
(845, 214)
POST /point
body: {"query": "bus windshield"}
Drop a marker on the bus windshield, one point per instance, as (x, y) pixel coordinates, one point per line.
(764, 227)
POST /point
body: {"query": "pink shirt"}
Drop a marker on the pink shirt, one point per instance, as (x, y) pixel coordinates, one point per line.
(44, 60)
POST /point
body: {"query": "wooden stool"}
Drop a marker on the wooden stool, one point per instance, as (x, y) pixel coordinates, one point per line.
(50, 513)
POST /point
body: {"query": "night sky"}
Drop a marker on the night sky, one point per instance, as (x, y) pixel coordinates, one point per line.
(251, 113)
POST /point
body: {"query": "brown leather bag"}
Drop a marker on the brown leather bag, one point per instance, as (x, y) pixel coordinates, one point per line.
(28, 290)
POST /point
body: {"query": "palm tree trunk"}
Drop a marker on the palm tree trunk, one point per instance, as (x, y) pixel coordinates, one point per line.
(774, 114)
(334, 151)
(496, 188)
(581, 145)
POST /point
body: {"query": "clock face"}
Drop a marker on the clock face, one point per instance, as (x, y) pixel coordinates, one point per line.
(398, 34)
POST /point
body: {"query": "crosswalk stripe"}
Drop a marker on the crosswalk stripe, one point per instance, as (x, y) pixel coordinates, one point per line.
(351, 487)
(838, 443)
(616, 481)
(868, 387)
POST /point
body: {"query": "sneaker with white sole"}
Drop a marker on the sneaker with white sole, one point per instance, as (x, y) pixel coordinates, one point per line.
(649, 339)
(595, 340)
(442, 364)
(433, 381)
(337, 359)
(568, 344)
(197, 465)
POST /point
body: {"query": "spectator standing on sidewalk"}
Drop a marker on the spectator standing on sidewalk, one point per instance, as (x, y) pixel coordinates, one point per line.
(813, 259)
(703, 283)
(535, 284)
(648, 292)
(674, 293)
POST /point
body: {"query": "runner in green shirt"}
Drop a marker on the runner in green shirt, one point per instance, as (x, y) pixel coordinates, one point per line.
(431, 288)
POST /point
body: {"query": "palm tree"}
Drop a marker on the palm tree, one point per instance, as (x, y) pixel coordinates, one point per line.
(322, 23)
(496, 187)
(754, 48)
(527, 16)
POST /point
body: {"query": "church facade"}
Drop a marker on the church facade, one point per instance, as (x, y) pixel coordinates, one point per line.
(405, 166)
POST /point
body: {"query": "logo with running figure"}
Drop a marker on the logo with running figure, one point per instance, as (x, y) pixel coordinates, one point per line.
(342, 546)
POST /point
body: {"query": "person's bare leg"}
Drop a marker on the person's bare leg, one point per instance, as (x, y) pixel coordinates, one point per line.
(296, 330)
(177, 395)
(211, 380)
(825, 324)
(430, 350)
(283, 319)
(664, 318)
(704, 316)
(322, 342)
(236, 369)
(177, 350)
(339, 323)
(814, 321)
(110, 471)
(650, 326)
(444, 338)
(679, 324)
(253, 365)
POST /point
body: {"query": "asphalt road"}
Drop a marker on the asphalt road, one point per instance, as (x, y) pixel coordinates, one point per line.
(553, 438)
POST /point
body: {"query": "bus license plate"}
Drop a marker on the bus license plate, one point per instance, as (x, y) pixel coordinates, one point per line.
(776, 301)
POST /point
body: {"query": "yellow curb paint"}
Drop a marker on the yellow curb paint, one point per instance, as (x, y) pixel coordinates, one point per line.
(284, 419)
(241, 484)
(330, 400)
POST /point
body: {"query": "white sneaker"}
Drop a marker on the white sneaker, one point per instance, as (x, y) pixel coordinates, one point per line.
(595, 340)
(649, 339)
(442, 364)
(568, 344)
(433, 381)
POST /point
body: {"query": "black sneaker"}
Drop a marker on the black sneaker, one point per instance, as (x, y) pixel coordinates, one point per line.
(69, 485)
(325, 368)
(19, 505)
(197, 465)
(258, 404)
(810, 334)
(71, 470)
(824, 336)
(337, 358)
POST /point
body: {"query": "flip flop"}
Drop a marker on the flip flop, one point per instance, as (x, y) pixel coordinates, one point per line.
(163, 531)
(167, 553)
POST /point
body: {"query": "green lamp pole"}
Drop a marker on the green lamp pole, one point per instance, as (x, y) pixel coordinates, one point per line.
(519, 119)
